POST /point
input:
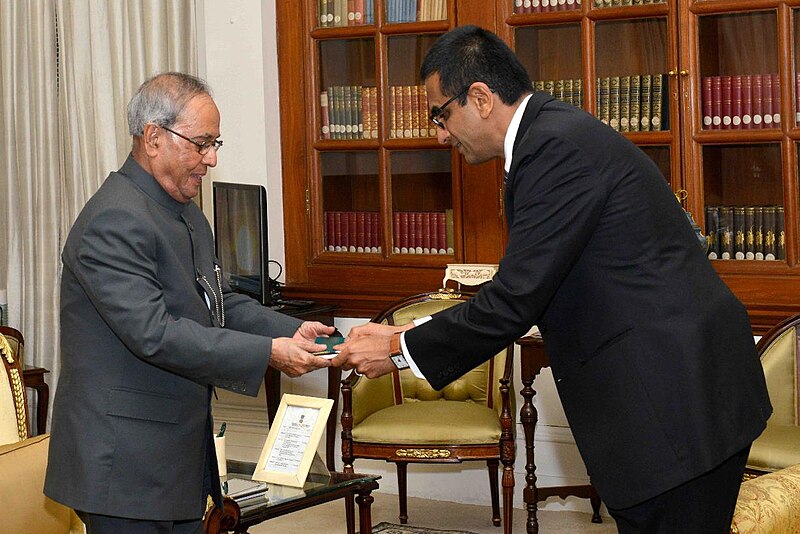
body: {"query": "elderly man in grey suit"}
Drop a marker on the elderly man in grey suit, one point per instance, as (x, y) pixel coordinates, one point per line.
(149, 328)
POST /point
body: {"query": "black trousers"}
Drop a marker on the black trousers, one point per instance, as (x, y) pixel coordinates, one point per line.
(105, 524)
(703, 505)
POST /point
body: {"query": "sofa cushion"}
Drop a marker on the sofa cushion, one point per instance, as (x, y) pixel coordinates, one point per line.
(23, 465)
(769, 503)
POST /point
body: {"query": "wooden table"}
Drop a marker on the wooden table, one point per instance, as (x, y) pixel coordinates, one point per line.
(34, 378)
(272, 380)
(533, 359)
(284, 500)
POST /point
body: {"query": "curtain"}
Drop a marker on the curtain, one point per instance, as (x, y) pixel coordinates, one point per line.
(68, 69)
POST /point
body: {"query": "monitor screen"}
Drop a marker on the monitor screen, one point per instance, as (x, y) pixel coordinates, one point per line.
(240, 235)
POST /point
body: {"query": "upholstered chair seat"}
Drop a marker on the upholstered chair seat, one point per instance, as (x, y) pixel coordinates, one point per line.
(769, 504)
(13, 397)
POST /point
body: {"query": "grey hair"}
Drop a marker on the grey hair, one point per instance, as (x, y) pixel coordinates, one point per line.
(160, 100)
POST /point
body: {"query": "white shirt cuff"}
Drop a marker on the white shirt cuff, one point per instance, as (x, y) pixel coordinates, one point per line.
(409, 359)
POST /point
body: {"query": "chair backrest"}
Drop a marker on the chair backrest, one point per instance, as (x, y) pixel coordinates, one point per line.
(13, 397)
(480, 385)
(780, 357)
(16, 341)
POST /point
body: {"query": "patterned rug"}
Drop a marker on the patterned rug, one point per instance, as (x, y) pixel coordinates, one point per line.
(389, 528)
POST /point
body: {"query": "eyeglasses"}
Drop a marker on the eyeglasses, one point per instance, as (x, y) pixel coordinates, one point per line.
(202, 148)
(437, 111)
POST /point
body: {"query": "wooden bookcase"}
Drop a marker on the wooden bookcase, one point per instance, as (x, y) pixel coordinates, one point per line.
(686, 41)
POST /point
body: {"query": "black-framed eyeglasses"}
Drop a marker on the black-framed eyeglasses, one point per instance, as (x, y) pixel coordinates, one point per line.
(202, 148)
(436, 111)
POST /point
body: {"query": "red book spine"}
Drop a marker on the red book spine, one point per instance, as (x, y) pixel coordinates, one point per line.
(376, 232)
(736, 102)
(716, 103)
(352, 231)
(329, 231)
(396, 232)
(747, 102)
(368, 239)
(758, 102)
(359, 12)
(434, 232)
(420, 234)
(776, 101)
(426, 232)
(766, 98)
(797, 99)
(412, 233)
(725, 108)
(441, 225)
(361, 231)
(707, 112)
(405, 231)
(337, 231)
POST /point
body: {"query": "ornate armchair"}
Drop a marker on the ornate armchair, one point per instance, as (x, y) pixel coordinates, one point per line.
(779, 444)
(769, 504)
(402, 419)
(13, 398)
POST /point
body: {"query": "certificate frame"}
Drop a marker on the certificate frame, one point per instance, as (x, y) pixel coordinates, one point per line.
(291, 444)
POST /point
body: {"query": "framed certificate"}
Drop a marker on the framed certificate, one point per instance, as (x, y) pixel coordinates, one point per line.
(293, 440)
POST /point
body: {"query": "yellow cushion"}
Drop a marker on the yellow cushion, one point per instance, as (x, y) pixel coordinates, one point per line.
(777, 447)
(426, 423)
(769, 504)
(23, 465)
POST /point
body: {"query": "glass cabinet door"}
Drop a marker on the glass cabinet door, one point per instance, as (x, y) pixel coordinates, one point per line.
(744, 202)
(348, 103)
(351, 202)
(553, 58)
(739, 74)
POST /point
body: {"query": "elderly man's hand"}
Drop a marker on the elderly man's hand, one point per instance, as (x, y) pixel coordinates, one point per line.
(311, 330)
(293, 357)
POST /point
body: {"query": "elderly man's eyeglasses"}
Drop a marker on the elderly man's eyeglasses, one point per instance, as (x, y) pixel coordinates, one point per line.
(203, 148)
(436, 111)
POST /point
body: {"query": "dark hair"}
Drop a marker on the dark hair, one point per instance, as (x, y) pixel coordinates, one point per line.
(469, 54)
(161, 99)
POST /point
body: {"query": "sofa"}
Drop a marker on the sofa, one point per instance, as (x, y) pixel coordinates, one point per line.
(22, 465)
(769, 504)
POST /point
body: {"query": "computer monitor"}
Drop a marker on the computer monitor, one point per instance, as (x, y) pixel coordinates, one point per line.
(240, 236)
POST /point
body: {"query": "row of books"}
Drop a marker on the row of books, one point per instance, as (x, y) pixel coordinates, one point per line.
(741, 101)
(352, 231)
(333, 13)
(543, 6)
(634, 103)
(569, 91)
(415, 10)
(746, 232)
(427, 232)
(408, 112)
(349, 112)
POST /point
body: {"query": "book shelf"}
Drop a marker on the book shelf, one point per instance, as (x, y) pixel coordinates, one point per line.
(707, 88)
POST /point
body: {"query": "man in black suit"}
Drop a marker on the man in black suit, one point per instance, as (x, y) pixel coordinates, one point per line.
(652, 355)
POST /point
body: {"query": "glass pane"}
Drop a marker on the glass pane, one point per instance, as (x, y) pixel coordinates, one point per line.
(544, 6)
(421, 10)
(744, 210)
(407, 100)
(632, 84)
(552, 56)
(351, 201)
(348, 97)
(332, 13)
(660, 155)
(422, 202)
(739, 81)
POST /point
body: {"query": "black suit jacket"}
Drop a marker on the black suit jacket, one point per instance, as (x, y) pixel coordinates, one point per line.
(653, 356)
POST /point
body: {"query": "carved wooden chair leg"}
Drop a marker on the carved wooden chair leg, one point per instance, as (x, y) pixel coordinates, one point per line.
(493, 488)
(402, 479)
